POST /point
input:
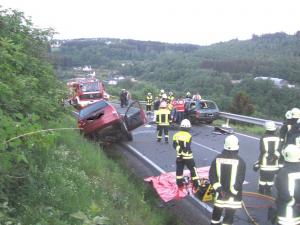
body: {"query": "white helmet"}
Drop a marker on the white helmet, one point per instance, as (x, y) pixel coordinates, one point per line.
(162, 91)
(164, 96)
(288, 115)
(185, 124)
(291, 153)
(149, 93)
(188, 93)
(295, 113)
(231, 143)
(170, 93)
(270, 125)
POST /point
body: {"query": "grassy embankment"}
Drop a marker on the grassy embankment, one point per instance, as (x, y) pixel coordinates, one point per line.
(81, 185)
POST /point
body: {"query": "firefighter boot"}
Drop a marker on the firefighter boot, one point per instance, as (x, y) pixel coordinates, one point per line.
(268, 190)
(261, 189)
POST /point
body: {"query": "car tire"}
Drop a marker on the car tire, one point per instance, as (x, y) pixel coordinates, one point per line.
(126, 132)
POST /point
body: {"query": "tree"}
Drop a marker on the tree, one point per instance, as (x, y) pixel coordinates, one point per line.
(241, 104)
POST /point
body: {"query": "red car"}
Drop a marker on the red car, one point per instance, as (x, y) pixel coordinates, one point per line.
(108, 122)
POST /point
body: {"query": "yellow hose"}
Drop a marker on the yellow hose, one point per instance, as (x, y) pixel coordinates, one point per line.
(39, 131)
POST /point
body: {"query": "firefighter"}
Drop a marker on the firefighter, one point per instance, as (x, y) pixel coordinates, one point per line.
(163, 119)
(164, 97)
(180, 109)
(170, 97)
(226, 175)
(184, 156)
(287, 184)
(293, 135)
(156, 107)
(268, 161)
(188, 95)
(149, 102)
(123, 98)
(161, 93)
(287, 125)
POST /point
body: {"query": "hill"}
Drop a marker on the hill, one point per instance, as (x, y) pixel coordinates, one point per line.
(219, 71)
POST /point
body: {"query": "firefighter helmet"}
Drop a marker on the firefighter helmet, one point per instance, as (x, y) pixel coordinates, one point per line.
(164, 96)
(163, 104)
(295, 113)
(170, 93)
(185, 124)
(149, 93)
(270, 125)
(231, 143)
(288, 115)
(291, 153)
(162, 91)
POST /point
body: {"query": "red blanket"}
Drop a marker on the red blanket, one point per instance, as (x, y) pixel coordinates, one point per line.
(165, 184)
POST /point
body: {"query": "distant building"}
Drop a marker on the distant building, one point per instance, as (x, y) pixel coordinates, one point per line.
(87, 68)
(277, 81)
(112, 82)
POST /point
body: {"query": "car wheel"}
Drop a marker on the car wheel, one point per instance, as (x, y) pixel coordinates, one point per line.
(126, 132)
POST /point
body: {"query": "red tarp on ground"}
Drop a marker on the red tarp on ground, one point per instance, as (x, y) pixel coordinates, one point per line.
(165, 184)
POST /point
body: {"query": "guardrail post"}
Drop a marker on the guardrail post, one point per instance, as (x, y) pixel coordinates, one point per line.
(226, 125)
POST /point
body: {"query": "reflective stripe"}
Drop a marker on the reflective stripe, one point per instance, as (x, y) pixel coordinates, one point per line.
(234, 165)
(288, 221)
(292, 177)
(179, 177)
(262, 182)
(230, 203)
(216, 185)
(215, 221)
(264, 163)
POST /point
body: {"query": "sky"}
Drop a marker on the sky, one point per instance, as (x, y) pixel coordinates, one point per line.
(201, 22)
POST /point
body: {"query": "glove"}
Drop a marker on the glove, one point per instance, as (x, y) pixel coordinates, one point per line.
(256, 167)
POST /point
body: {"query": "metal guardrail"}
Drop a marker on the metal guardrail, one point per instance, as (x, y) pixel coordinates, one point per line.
(239, 118)
(245, 119)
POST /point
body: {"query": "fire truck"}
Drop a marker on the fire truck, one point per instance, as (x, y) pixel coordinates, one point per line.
(85, 91)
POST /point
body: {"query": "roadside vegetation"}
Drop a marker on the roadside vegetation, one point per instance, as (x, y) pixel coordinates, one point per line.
(221, 72)
(55, 177)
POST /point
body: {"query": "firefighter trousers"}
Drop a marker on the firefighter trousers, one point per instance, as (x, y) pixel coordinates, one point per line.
(266, 181)
(217, 213)
(190, 164)
(161, 130)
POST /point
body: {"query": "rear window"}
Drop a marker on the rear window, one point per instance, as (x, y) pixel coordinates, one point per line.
(90, 96)
(87, 111)
(90, 87)
(205, 105)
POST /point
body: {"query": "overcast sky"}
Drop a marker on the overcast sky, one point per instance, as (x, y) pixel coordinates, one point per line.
(176, 21)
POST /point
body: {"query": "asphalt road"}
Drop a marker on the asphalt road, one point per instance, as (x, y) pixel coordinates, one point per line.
(206, 145)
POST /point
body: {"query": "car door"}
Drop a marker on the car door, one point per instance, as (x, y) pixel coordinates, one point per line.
(134, 116)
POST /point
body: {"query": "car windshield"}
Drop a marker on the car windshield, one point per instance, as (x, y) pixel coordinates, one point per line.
(90, 87)
(90, 96)
(85, 112)
(205, 105)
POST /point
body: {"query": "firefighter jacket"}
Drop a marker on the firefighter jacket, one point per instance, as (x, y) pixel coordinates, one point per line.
(226, 175)
(180, 106)
(170, 98)
(293, 136)
(163, 117)
(269, 152)
(285, 128)
(182, 143)
(156, 104)
(149, 100)
(288, 196)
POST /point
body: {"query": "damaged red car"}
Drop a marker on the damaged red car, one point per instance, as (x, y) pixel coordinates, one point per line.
(108, 122)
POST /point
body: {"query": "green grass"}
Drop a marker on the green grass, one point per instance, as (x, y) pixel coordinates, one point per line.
(80, 184)
(242, 127)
